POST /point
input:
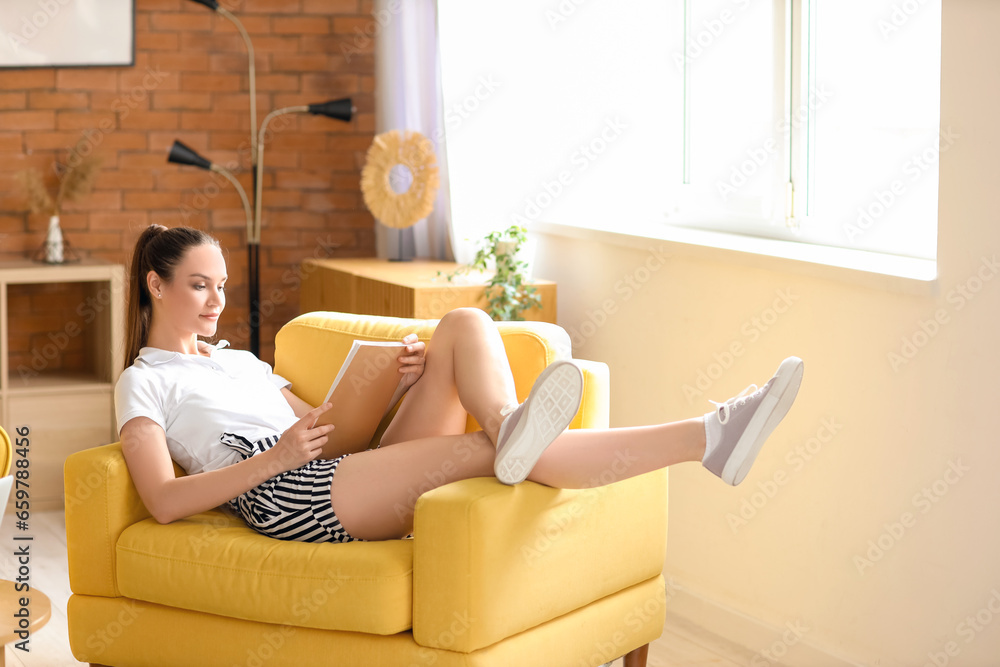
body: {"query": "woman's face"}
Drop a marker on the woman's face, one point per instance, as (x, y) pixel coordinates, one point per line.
(195, 298)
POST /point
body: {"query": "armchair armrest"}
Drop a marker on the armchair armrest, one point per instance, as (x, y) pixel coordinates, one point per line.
(512, 557)
(595, 408)
(101, 502)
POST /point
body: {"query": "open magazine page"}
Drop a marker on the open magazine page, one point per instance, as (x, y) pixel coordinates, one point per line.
(360, 395)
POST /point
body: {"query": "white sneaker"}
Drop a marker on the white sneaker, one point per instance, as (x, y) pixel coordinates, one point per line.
(736, 430)
(531, 427)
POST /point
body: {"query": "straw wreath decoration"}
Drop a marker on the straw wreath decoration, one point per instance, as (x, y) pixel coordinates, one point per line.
(388, 151)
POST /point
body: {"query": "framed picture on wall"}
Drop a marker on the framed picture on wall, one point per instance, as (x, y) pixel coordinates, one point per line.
(67, 33)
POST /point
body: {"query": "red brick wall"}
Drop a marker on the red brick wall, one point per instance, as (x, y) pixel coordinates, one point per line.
(190, 83)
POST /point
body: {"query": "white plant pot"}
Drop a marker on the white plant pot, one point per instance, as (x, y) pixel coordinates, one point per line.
(526, 254)
(54, 242)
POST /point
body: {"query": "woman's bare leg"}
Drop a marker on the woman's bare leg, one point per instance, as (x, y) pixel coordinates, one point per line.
(466, 371)
(583, 458)
(375, 491)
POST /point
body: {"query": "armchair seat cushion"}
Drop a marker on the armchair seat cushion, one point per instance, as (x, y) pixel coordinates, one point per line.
(214, 563)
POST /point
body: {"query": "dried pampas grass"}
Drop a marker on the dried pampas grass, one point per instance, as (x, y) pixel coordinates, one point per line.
(39, 200)
(413, 151)
(76, 178)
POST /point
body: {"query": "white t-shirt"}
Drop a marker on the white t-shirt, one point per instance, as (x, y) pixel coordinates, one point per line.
(195, 399)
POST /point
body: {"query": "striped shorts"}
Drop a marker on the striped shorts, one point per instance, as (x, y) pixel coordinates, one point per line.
(294, 505)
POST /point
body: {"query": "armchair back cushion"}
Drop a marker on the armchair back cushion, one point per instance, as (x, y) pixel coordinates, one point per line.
(310, 349)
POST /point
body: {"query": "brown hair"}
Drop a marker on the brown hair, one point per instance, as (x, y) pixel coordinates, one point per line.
(158, 249)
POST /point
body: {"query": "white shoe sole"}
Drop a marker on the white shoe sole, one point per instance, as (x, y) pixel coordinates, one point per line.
(771, 411)
(553, 402)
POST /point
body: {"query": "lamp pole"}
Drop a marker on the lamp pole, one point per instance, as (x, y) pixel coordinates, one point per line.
(341, 109)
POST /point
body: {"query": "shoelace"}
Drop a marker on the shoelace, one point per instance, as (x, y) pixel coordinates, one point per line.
(733, 403)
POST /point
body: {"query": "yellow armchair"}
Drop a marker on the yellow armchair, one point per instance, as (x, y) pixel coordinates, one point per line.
(494, 575)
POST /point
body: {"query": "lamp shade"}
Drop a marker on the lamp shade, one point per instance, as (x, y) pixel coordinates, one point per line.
(182, 154)
(211, 4)
(340, 109)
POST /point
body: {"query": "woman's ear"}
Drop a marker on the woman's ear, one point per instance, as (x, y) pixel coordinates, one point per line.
(154, 283)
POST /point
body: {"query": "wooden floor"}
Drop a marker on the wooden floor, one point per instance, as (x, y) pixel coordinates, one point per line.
(681, 645)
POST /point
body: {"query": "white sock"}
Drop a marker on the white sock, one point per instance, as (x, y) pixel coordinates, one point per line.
(713, 433)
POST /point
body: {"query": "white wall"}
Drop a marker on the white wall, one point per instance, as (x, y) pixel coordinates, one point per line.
(896, 431)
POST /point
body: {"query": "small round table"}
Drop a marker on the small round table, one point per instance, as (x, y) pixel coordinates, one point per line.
(39, 611)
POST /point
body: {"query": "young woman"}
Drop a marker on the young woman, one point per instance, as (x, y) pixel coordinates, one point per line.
(247, 442)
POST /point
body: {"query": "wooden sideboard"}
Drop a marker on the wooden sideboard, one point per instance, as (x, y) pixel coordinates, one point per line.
(372, 286)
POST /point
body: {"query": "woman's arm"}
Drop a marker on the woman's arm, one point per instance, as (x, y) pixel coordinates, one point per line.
(299, 407)
(169, 498)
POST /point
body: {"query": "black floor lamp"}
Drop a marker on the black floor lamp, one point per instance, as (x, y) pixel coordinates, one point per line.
(341, 109)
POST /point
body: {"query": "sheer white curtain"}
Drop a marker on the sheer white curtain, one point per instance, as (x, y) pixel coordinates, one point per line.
(408, 97)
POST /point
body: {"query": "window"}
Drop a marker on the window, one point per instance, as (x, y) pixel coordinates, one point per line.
(814, 121)
(871, 139)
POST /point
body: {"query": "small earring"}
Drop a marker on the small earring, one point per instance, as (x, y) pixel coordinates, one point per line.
(159, 296)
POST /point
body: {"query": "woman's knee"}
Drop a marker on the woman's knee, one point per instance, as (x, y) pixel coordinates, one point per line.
(465, 317)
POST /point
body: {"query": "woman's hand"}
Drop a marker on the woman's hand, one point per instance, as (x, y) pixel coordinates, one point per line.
(302, 442)
(413, 361)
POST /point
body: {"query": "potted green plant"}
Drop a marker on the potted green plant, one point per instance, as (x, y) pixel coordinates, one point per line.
(507, 290)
